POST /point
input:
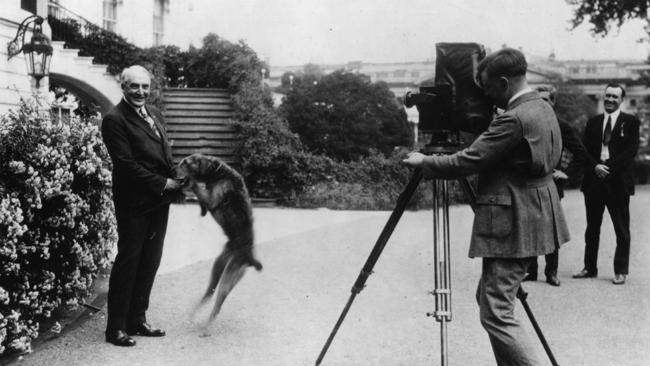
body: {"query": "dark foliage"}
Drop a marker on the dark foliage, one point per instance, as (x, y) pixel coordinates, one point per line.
(344, 116)
(602, 14)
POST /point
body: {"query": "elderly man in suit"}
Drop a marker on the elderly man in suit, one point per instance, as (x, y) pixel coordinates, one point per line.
(612, 141)
(518, 214)
(143, 187)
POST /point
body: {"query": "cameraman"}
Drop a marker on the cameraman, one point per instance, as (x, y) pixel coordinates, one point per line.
(518, 212)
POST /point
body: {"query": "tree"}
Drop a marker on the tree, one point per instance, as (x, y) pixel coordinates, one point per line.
(345, 116)
(603, 13)
(574, 106)
(220, 63)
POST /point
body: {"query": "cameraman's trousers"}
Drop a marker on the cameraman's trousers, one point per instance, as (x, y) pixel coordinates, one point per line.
(496, 295)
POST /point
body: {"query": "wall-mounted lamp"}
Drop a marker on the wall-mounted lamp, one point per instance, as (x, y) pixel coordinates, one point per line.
(38, 52)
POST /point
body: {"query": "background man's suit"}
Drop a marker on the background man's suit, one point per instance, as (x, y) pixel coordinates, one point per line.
(518, 212)
(142, 163)
(612, 192)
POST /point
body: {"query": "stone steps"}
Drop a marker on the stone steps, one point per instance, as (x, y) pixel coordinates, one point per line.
(66, 61)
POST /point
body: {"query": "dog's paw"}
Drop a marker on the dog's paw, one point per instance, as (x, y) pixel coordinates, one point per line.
(204, 332)
(255, 263)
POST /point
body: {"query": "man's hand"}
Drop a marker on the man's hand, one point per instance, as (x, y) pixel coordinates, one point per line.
(414, 159)
(558, 174)
(602, 171)
(173, 185)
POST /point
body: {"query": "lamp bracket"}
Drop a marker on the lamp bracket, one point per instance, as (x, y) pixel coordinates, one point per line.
(16, 45)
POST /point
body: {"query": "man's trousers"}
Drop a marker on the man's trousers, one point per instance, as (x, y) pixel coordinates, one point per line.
(496, 296)
(618, 205)
(552, 261)
(139, 249)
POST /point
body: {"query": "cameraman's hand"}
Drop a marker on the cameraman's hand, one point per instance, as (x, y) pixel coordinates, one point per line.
(414, 159)
(173, 185)
(602, 171)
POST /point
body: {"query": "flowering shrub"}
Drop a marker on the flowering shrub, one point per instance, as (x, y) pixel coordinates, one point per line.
(56, 219)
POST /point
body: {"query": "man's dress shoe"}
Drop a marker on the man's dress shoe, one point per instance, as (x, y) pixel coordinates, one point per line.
(119, 338)
(144, 329)
(553, 280)
(619, 279)
(585, 274)
(530, 277)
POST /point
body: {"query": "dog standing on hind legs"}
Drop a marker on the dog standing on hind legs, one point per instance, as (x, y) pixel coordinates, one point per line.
(221, 191)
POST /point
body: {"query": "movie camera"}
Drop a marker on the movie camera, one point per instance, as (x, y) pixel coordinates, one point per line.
(455, 102)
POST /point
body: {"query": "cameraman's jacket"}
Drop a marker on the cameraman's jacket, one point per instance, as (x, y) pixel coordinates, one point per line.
(518, 212)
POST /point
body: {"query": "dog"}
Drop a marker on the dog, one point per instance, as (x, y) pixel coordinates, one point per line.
(221, 191)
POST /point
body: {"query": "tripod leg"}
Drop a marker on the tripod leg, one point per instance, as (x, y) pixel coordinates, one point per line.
(522, 296)
(442, 267)
(359, 284)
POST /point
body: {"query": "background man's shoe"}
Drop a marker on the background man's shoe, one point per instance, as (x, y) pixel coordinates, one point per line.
(619, 279)
(585, 274)
(530, 277)
(119, 338)
(144, 329)
(553, 280)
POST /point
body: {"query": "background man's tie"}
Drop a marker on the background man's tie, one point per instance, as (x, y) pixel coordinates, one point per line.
(607, 135)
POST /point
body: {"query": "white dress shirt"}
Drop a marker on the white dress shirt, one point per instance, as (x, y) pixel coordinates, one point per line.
(604, 150)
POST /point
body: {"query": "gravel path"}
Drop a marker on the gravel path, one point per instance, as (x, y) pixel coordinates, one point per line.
(283, 315)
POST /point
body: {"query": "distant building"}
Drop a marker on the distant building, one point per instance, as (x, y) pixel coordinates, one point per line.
(591, 77)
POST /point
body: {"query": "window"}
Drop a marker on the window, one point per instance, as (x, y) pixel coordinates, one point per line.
(415, 74)
(158, 22)
(28, 5)
(110, 15)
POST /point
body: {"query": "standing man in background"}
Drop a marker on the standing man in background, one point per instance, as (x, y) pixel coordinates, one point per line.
(518, 212)
(142, 190)
(570, 142)
(612, 141)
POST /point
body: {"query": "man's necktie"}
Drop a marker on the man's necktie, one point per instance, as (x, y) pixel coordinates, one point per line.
(149, 120)
(607, 135)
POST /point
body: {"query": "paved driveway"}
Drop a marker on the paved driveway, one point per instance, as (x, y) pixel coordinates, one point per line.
(283, 315)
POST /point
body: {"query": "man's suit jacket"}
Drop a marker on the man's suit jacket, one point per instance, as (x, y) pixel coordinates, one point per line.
(623, 147)
(142, 161)
(572, 143)
(518, 211)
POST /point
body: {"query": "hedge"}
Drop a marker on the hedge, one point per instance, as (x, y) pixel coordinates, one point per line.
(57, 225)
